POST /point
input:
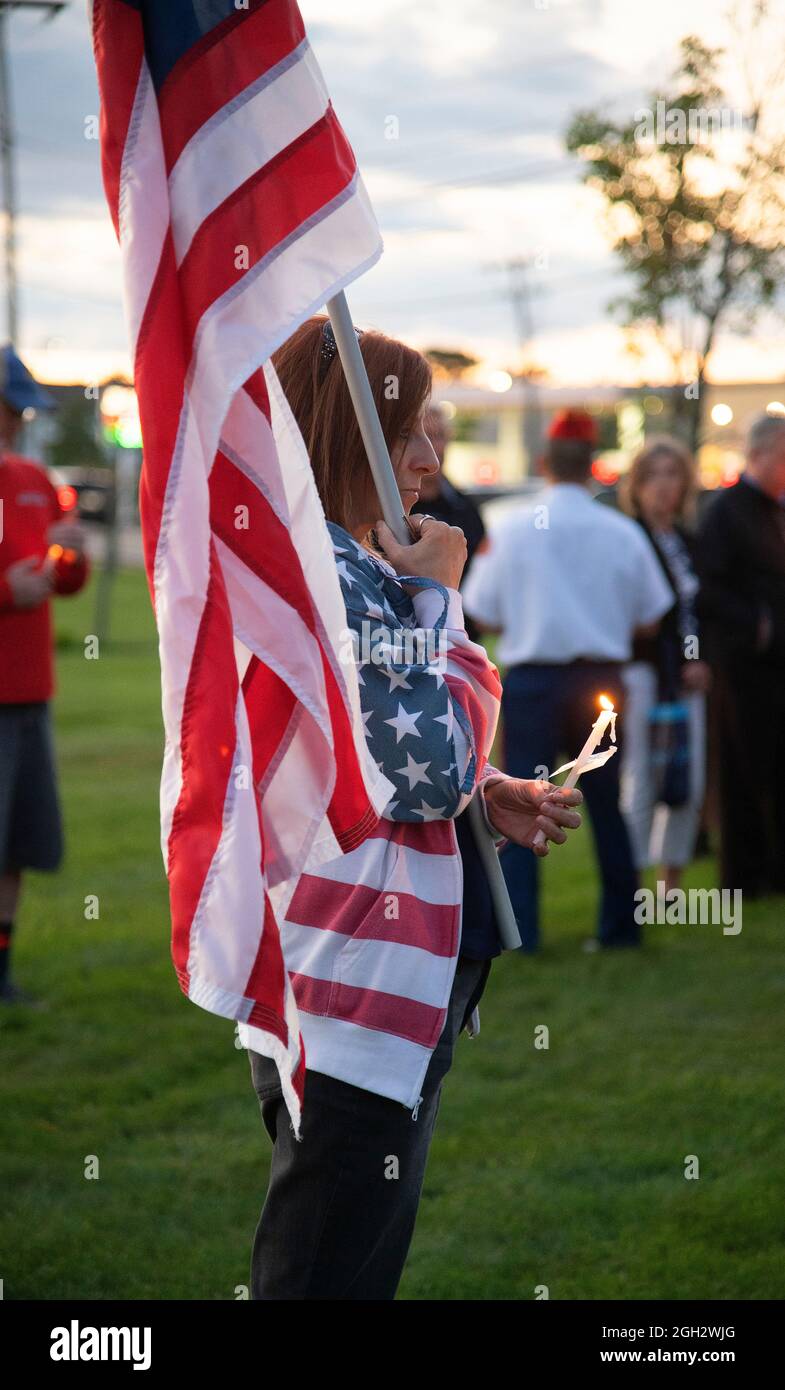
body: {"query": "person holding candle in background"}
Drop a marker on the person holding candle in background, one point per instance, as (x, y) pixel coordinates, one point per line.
(41, 555)
(666, 670)
(567, 583)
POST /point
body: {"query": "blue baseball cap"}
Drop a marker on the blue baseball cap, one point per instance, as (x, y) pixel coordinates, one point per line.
(18, 388)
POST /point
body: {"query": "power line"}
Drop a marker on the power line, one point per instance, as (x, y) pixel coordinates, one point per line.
(522, 173)
(548, 282)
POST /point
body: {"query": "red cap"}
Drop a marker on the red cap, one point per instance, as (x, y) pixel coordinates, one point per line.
(573, 424)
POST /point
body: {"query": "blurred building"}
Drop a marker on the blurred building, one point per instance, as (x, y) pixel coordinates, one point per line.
(490, 429)
(494, 439)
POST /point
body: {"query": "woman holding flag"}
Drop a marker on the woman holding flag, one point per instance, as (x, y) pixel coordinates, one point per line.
(389, 947)
(217, 131)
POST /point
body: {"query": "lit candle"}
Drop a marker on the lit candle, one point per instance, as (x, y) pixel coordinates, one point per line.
(605, 719)
(56, 552)
(587, 760)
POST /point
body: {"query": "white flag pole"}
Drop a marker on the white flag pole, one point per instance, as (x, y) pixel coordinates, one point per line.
(393, 513)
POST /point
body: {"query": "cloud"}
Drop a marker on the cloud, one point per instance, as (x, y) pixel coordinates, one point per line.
(54, 93)
(462, 80)
(474, 175)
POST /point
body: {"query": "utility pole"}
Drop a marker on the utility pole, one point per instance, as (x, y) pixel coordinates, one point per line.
(520, 297)
(51, 8)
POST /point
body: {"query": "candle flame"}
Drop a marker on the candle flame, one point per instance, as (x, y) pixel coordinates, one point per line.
(605, 702)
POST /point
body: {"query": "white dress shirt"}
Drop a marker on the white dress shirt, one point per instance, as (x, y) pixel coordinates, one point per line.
(566, 577)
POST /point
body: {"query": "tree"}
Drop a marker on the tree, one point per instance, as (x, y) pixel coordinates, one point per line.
(694, 194)
(450, 362)
(74, 441)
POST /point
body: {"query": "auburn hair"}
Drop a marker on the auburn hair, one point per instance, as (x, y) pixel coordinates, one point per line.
(319, 398)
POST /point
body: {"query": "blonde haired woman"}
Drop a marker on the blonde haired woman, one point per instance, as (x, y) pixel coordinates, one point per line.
(658, 492)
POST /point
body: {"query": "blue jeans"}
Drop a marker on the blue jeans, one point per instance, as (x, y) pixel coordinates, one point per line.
(548, 711)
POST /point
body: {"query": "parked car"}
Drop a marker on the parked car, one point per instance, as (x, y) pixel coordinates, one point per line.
(90, 491)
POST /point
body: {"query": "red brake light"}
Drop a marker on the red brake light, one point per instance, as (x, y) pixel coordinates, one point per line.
(67, 497)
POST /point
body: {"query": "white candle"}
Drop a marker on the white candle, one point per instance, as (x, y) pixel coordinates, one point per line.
(605, 719)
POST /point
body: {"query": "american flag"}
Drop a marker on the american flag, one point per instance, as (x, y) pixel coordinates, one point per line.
(239, 209)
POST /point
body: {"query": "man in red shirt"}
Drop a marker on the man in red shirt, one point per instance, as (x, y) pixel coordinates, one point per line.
(41, 555)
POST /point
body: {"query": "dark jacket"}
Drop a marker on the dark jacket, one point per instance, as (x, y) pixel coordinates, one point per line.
(741, 562)
(454, 507)
(665, 649)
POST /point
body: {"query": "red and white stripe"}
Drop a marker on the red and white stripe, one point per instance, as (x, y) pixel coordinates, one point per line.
(238, 217)
(372, 937)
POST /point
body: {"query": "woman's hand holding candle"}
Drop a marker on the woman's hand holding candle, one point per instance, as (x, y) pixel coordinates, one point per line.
(524, 810)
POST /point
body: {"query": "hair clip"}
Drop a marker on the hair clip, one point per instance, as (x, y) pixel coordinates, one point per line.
(329, 348)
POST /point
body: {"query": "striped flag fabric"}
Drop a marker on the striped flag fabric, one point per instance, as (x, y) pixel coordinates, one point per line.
(239, 210)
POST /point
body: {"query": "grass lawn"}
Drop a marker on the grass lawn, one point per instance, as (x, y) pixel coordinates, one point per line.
(562, 1167)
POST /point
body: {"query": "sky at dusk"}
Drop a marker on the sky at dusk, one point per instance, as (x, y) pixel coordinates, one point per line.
(477, 175)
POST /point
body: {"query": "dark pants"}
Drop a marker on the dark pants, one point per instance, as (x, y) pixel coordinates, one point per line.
(748, 739)
(548, 711)
(31, 834)
(342, 1202)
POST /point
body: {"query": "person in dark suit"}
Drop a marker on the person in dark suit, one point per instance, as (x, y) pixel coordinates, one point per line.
(741, 561)
(442, 499)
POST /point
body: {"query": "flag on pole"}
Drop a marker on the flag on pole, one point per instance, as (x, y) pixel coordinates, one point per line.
(239, 210)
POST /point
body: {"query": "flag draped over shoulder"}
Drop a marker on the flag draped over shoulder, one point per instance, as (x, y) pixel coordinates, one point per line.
(239, 210)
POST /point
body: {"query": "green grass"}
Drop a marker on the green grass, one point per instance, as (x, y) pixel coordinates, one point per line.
(562, 1167)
